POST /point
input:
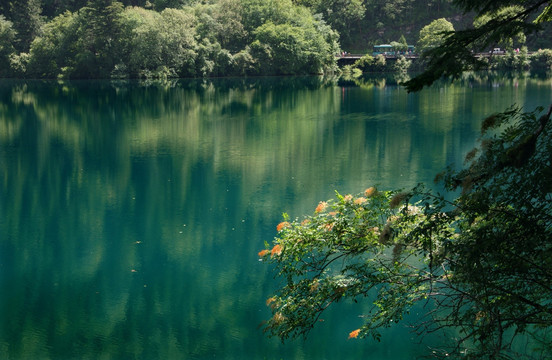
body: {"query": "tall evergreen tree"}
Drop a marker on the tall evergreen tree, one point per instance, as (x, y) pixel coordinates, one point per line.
(99, 33)
(26, 18)
(7, 39)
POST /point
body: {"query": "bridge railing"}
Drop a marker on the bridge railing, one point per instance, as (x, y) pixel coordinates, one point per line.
(415, 56)
(387, 56)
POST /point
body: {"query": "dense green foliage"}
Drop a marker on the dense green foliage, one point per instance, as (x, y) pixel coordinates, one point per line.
(7, 39)
(478, 258)
(231, 37)
(360, 23)
(432, 35)
(164, 38)
(542, 59)
(456, 53)
(481, 261)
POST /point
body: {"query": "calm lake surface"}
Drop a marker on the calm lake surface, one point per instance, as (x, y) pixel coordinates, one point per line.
(131, 214)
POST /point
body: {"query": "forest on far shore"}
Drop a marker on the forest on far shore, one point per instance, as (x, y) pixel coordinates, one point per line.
(194, 38)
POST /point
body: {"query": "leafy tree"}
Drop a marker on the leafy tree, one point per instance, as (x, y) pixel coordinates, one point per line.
(513, 60)
(396, 9)
(97, 46)
(223, 38)
(7, 39)
(455, 53)
(244, 63)
(26, 19)
(160, 5)
(222, 23)
(387, 20)
(288, 52)
(482, 261)
(401, 65)
(402, 40)
(368, 63)
(159, 44)
(397, 46)
(290, 41)
(478, 257)
(53, 8)
(179, 43)
(380, 62)
(143, 41)
(542, 59)
(261, 55)
(54, 51)
(432, 35)
(212, 59)
(508, 41)
(84, 44)
(400, 45)
(255, 13)
(365, 63)
(341, 15)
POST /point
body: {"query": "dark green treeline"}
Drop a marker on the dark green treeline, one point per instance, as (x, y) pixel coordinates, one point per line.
(110, 39)
(204, 38)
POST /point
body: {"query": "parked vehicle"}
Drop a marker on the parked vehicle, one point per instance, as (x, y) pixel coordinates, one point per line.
(386, 49)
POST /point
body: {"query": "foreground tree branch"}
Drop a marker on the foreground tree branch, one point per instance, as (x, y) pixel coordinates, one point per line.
(480, 264)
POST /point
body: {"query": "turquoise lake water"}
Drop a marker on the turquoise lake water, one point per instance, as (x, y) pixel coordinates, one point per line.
(131, 213)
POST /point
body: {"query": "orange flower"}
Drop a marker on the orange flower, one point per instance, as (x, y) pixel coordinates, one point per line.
(276, 250)
(263, 253)
(305, 222)
(370, 191)
(282, 225)
(321, 206)
(360, 200)
(353, 334)
(348, 197)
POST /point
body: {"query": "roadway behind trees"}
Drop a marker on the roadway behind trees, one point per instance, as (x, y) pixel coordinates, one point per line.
(519, 59)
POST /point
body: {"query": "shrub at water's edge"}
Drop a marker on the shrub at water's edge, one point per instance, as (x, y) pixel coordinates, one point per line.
(480, 263)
